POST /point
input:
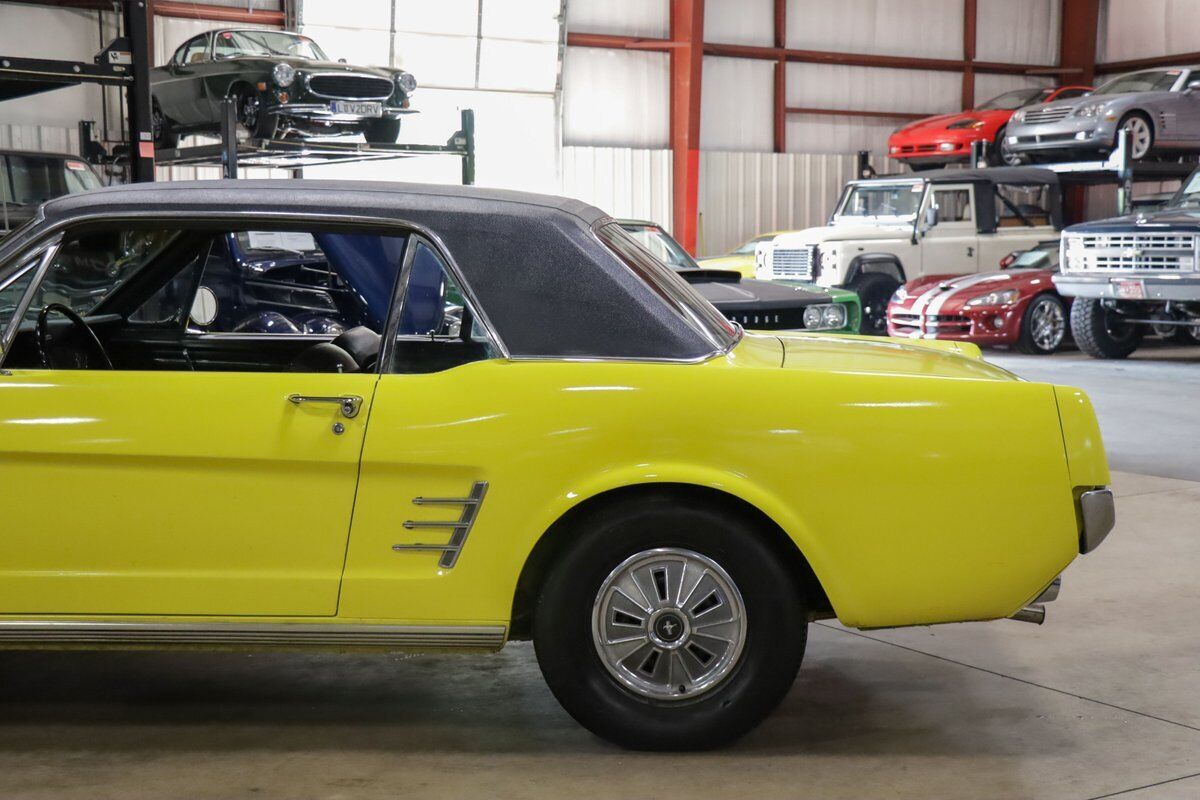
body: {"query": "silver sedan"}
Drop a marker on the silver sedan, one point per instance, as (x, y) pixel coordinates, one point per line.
(1160, 108)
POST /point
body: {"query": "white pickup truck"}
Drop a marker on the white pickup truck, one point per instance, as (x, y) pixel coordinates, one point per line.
(887, 231)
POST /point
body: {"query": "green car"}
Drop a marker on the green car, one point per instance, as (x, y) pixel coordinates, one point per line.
(282, 83)
(753, 304)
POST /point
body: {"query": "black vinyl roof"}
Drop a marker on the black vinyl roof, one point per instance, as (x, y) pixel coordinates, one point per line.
(548, 285)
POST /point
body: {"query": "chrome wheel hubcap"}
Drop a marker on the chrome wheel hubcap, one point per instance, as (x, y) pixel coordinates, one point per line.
(1048, 325)
(1139, 136)
(669, 624)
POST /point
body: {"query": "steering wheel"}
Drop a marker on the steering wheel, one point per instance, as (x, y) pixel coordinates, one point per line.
(43, 335)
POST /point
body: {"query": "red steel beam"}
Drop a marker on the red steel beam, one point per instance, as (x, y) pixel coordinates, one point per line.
(209, 13)
(846, 112)
(1077, 38)
(687, 62)
(780, 115)
(1179, 59)
(970, 17)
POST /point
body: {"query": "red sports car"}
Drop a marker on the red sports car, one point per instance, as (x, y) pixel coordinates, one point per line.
(1016, 305)
(937, 141)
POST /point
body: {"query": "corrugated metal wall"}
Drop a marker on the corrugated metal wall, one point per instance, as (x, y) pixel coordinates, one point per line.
(624, 181)
(1146, 28)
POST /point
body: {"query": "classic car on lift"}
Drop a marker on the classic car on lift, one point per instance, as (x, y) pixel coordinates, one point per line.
(550, 455)
(1017, 305)
(1159, 108)
(281, 82)
(947, 138)
(753, 304)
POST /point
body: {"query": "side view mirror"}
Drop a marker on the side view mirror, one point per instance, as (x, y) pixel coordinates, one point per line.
(931, 216)
(1191, 87)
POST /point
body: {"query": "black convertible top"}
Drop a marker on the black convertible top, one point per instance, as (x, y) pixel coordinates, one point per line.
(548, 285)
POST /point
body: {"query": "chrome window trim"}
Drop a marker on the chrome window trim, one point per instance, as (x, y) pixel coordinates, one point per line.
(43, 264)
(42, 633)
(19, 249)
(671, 295)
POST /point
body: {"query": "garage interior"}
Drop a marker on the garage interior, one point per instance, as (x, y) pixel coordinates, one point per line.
(718, 121)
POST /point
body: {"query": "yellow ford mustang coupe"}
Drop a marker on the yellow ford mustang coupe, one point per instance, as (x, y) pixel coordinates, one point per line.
(339, 415)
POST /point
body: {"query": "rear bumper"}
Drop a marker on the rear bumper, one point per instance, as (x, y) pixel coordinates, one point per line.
(1097, 513)
(1155, 287)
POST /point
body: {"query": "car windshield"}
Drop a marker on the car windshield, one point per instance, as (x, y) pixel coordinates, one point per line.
(1189, 193)
(30, 180)
(233, 44)
(747, 248)
(661, 246)
(1158, 80)
(883, 200)
(1011, 101)
(1043, 257)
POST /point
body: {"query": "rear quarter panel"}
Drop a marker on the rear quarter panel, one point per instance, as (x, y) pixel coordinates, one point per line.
(916, 498)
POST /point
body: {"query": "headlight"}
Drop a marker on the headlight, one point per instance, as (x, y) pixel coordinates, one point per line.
(283, 74)
(1001, 298)
(900, 296)
(1019, 116)
(406, 82)
(973, 124)
(1089, 110)
(825, 317)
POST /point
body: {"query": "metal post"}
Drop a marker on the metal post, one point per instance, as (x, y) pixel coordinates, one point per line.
(864, 168)
(468, 158)
(1124, 173)
(229, 142)
(141, 127)
(979, 149)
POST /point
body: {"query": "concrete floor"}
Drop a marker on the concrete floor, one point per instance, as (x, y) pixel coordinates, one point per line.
(1102, 701)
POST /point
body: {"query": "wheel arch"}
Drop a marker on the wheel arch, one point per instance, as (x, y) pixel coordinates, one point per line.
(875, 264)
(558, 537)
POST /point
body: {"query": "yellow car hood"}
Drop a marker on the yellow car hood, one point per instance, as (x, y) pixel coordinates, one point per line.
(872, 354)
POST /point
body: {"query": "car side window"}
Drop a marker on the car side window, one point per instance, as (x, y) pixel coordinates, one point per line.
(15, 288)
(1022, 205)
(193, 52)
(953, 205)
(436, 327)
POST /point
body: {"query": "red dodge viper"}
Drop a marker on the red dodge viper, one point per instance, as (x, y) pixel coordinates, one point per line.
(1016, 305)
(936, 141)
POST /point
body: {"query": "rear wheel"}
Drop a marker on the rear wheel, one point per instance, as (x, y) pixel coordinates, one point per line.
(1100, 333)
(874, 291)
(1044, 326)
(668, 626)
(163, 131)
(381, 131)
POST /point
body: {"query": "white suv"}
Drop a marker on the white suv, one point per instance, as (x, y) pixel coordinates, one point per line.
(890, 230)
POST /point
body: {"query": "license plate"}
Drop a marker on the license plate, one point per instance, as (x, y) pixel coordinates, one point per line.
(1131, 290)
(357, 108)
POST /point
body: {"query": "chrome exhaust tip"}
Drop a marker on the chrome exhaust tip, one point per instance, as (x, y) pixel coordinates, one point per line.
(1034, 613)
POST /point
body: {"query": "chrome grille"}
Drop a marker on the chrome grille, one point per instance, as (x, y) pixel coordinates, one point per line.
(1169, 252)
(792, 263)
(1047, 114)
(350, 87)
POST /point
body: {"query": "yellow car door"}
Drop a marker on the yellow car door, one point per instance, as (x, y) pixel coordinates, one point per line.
(171, 491)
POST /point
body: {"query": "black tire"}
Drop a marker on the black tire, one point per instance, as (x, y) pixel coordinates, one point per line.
(874, 290)
(381, 131)
(1043, 326)
(1127, 119)
(163, 130)
(758, 678)
(1099, 334)
(1000, 156)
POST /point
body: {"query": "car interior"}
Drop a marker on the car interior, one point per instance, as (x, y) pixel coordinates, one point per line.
(146, 297)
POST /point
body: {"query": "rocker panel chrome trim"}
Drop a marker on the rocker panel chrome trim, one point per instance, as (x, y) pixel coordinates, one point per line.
(228, 634)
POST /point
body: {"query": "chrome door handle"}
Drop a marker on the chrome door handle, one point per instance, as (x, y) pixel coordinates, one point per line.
(350, 403)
